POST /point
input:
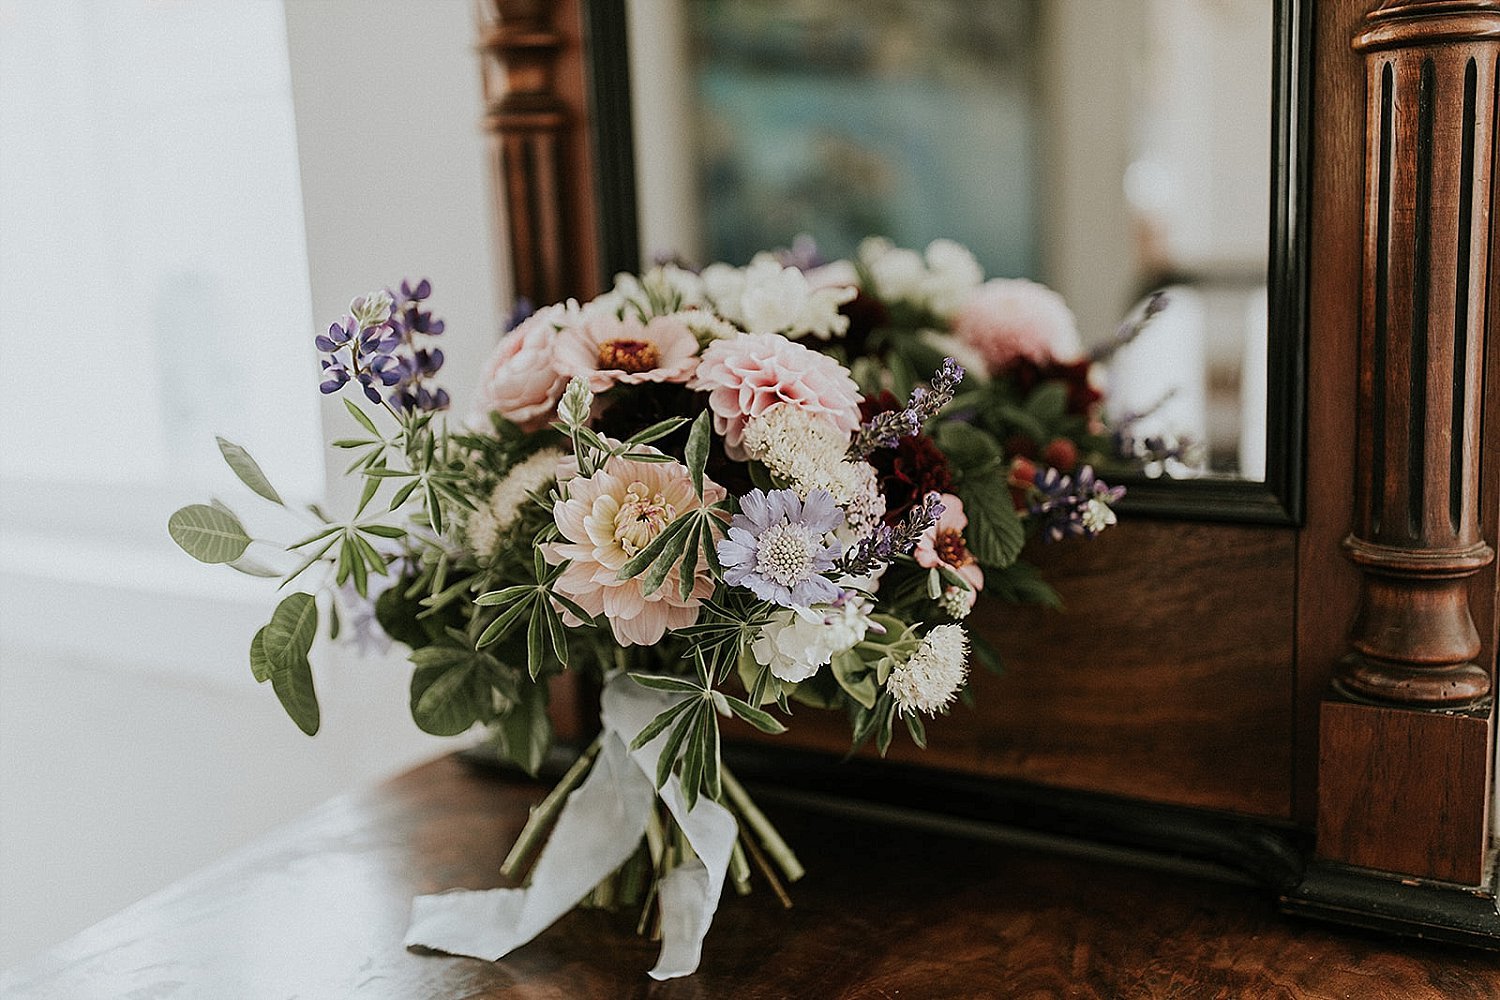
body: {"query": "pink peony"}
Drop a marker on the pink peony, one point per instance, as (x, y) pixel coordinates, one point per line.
(521, 381)
(943, 545)
(606, 350)
(748, 374)
(608, 518)
(1008, 319)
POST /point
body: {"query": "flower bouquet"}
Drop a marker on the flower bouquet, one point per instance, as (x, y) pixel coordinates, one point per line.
(720, 493)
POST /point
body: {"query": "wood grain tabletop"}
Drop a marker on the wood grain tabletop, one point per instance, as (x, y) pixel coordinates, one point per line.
(318, 910)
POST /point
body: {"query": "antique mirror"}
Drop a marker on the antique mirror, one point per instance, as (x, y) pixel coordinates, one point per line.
(1107, 150)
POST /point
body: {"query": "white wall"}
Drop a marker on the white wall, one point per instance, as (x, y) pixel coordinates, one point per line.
(120, 774)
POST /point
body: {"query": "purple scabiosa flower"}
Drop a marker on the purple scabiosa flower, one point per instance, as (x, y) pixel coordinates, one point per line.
(1068, 508)
(779, 547)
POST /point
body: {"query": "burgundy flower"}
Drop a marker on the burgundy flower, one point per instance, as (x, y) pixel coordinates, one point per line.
(1074, 375)
(911, 470)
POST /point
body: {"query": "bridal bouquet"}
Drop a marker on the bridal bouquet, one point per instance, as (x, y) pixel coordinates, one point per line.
(721, 493)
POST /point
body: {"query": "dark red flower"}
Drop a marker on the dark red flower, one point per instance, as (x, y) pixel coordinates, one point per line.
(911, 470)
(1074, 375)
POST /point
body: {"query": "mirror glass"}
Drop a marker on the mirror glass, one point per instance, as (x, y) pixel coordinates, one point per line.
(1105, 149)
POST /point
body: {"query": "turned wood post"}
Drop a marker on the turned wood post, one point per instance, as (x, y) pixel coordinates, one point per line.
(1406, 736)
(1430, 134)
(536, 116)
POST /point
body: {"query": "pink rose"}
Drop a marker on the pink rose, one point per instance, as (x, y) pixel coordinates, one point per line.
(1008, 319)
(521, 381)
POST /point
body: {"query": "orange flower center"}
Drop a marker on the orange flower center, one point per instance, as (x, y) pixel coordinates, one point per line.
(629, 356)
(951, 549)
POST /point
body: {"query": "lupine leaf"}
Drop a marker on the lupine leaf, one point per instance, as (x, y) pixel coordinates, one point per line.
(534, 651)
(494, 598)
(359, 415)
(655, 726)
(208, 534)
(697, 450)
(672, 749)
(648, 555)
(657, 682)
(657, 431)
(502, 626)
(248, 470)
(760, 719)
(708, 740)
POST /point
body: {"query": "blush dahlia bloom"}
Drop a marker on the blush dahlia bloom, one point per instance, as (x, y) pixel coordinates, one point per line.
(942, 546)
(1007, 320)
(747, 375)
(521, 380)
(779, 547)
(608, 518)
(607, 351)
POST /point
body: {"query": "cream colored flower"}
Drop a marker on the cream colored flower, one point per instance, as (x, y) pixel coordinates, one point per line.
(930, 680)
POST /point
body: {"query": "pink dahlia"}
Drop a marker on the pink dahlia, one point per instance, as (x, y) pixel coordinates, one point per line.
(521, 380)
(608, 518)
(748, 374)
(606, 350)
(943, 546)
(1006, 320)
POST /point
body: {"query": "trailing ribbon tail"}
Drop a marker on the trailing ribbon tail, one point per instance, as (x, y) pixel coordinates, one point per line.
(600, 826)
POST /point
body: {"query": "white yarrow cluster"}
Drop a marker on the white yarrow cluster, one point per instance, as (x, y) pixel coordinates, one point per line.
(665, 285)
(768, 298)
(795, 647)
(939, 281)
(929, 681)
(807, 453)
(489, 522)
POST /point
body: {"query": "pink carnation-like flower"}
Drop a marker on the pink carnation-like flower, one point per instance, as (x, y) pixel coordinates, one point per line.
(943, 545)
(1007, 319)
(608, 518)
(607, 351)
(747, 375)
(521, 380)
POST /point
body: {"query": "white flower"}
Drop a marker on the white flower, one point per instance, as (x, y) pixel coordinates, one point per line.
(795, 648)
(707, 325)
(1097, 515)
(957, 602)
(664, 289)
(371, 310)
(807, 452)
(929, 681)
(939, 282)
(500, 512)
(768, 298)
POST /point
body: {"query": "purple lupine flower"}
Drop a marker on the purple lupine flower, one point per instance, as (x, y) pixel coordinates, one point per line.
(885, 430)
(779, 547)
(376, 346)
(1078, 509)
(886, 543)
(803, 254)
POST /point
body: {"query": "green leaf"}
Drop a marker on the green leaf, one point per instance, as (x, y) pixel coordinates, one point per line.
(444, 700)
(289, 636)
(248, 470)
(383, 530)
(657, 682)
(760, 719)
(657, 431)
(697, 450)
(995, 534)
(693, 762)
(917, 729)
(556, 631)
(854, 676)
(649, 554)
(293, 684)
(502, 626)
(708, 742)
(259, 665)
(252, 568)
(970, 450)
(359, 415)
(687, 577)
(673, 747)
(534, 650)
(495, 598)
(655, 726)
(1048, 403)
(208, 534)
(525, 732)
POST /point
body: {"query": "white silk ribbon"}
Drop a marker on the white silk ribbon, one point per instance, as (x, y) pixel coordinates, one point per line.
(599, 827)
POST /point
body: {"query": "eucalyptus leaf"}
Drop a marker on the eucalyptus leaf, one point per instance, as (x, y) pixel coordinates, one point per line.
(208, 534)
(248, 470)
(260, 667)
(444, 701)
(293, 684)
(289, 636)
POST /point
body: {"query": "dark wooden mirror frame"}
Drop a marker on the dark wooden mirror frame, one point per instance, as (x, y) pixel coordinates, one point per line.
(1277, 500)
(1307, 701)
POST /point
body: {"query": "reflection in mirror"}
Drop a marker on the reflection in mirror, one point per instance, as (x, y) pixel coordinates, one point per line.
(1106, 149)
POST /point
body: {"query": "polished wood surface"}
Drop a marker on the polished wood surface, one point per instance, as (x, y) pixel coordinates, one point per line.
(318, 910)
(1126, 692)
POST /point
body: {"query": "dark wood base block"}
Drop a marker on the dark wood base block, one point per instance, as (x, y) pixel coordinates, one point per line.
(1435, 911)
(1403, 791)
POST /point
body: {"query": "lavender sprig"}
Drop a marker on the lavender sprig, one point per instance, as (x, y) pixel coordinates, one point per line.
(885, 430)
(885, 543)
(1130, 329)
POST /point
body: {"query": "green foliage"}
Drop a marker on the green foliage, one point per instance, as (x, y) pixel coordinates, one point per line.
(209, 534)
(1021, 583)
(995, 534)
(285, 643)
(248, 470)
(525, 732)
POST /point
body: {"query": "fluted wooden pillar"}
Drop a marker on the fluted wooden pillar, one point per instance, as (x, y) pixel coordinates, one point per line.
(1406, 736)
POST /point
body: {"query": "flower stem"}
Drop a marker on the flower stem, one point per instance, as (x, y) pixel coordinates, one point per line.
(756, 820)
(546, 811)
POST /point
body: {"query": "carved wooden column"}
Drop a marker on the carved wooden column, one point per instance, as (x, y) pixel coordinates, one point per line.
(1405, 742)
(535, 112)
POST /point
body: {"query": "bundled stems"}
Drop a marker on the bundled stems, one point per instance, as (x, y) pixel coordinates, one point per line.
(543, 815)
